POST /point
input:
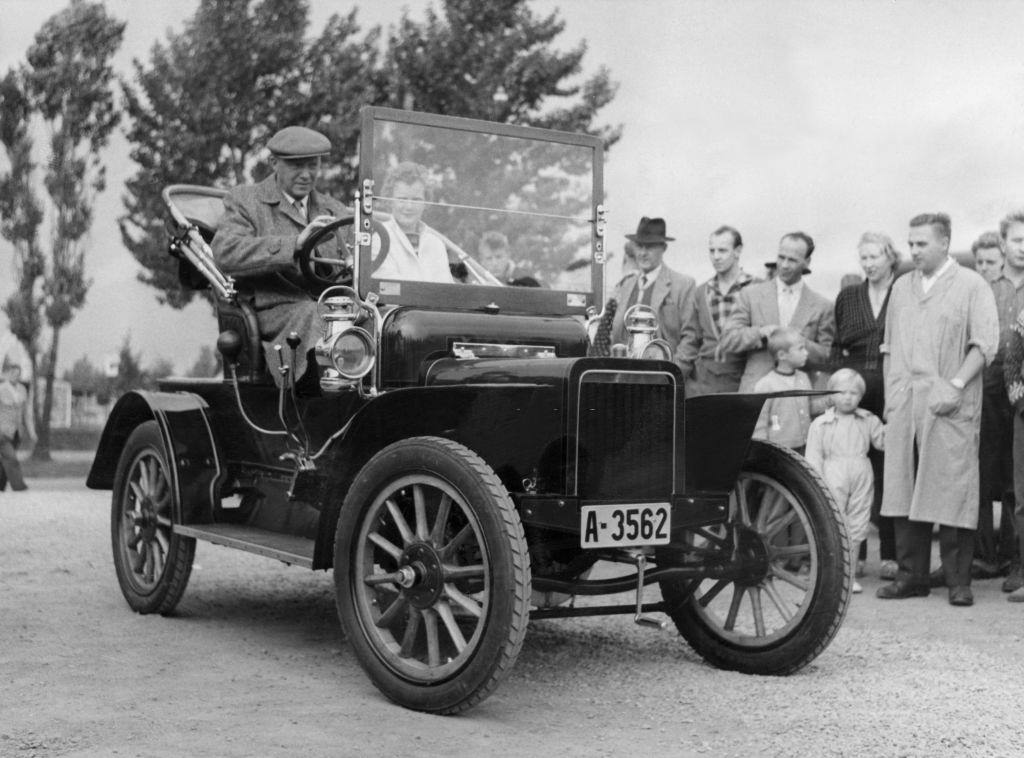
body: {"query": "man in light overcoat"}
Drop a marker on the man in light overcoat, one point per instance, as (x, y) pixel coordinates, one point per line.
(941, 328)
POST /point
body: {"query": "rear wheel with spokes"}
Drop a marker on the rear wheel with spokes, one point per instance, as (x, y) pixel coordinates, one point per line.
(432, 575)
(786, 604)
(153, 564)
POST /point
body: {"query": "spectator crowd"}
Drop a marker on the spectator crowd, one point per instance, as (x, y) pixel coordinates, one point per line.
(924, 361)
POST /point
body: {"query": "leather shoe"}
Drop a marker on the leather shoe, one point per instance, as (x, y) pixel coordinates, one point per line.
(937, 578)
(961, 596)
(1014, 581)
(1017, 596)
(984, 570)
(899, 590)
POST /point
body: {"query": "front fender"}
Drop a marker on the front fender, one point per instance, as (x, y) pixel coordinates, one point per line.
(189, 445)
(508, 425)
(718, 432)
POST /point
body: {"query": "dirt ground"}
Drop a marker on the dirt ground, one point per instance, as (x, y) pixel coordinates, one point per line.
(254, 664)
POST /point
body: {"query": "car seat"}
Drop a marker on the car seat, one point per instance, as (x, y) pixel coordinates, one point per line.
(203, 208)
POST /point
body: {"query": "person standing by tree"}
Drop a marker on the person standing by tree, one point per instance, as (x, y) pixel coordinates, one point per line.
(941, 329)
(15, 425)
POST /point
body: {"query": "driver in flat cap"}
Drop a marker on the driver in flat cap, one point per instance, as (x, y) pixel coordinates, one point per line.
(263, 226)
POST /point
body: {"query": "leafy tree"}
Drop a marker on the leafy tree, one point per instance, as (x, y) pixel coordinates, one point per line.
(21, 214)
(495, 61)
(159, 369)
(207, 364)
(66, 85)
(84, 376)
(204, 105)
(130, 375)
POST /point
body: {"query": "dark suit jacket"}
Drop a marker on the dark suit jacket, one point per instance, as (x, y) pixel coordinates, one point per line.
(672, 298)
(758, 306)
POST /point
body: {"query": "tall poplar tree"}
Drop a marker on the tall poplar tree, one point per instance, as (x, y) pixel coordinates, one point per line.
(65, 88)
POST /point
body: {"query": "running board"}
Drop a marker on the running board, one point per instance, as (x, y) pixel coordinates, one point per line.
(284, 547)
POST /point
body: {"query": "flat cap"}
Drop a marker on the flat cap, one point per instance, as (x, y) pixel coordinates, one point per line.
(298, 142)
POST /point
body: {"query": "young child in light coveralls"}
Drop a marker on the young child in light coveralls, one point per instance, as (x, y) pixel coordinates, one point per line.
(837, 446)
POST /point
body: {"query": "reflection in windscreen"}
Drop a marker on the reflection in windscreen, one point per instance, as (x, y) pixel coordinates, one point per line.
(482, 208)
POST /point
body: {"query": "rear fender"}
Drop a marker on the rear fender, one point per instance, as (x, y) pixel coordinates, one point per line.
(189, 445)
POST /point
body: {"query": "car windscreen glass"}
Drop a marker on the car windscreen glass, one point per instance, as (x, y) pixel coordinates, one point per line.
(469, 207)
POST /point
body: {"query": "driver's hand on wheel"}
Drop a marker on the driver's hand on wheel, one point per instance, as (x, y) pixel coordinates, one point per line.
(311, 227)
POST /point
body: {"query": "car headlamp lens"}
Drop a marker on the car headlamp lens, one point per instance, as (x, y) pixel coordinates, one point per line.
(656, 351)
(352, 353)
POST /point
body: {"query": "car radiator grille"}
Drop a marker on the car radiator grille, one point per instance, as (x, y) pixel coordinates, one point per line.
(625, 435)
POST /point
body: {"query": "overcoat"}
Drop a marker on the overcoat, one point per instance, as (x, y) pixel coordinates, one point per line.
(757, 306)
(672, 298)
(927, 336)
(255, 243)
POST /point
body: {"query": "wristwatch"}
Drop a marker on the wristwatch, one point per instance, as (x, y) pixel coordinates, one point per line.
(957, 382)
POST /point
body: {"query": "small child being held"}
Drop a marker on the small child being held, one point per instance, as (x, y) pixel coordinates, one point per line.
(786, 420)
(837, 446)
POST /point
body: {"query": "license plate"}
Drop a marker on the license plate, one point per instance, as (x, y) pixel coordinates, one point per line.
(625, 525)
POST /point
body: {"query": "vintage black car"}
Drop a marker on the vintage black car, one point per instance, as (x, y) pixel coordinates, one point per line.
(466, 466)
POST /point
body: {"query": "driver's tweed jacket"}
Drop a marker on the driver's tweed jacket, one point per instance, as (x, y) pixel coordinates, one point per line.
(255, 243)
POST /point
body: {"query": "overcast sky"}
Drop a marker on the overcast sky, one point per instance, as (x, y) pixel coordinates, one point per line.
(827, 116)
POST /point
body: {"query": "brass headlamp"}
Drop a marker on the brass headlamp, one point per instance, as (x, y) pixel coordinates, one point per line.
(641, 323)
(345, 352)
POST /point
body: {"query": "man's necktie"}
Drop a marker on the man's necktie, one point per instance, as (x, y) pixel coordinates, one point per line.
(300, 209)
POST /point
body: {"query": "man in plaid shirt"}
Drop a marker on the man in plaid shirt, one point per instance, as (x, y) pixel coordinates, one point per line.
(714, 370)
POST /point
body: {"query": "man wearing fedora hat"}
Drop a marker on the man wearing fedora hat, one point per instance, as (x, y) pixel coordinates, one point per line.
(263, 227)
(669, 293)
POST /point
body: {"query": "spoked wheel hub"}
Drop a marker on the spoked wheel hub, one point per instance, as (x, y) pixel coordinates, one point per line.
(146, 519)
(752, 555)
(422, 575)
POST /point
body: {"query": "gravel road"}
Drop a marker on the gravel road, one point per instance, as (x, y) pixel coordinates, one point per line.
(254, 664)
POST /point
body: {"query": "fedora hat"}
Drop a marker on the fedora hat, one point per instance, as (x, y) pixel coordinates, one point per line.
(650, 230)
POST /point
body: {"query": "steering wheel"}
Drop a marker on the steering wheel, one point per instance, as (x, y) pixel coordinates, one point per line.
(321, 272)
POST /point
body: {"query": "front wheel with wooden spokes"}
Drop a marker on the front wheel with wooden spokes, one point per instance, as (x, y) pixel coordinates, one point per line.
(432, 575)
(789, 587)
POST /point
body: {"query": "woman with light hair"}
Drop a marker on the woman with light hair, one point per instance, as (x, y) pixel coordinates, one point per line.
(860, 329)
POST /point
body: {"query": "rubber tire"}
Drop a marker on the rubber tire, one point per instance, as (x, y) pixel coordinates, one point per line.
(831, 593)
(164, 595)
(501, 531)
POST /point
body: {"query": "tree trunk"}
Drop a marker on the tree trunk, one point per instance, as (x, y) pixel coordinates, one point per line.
(42, 449)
